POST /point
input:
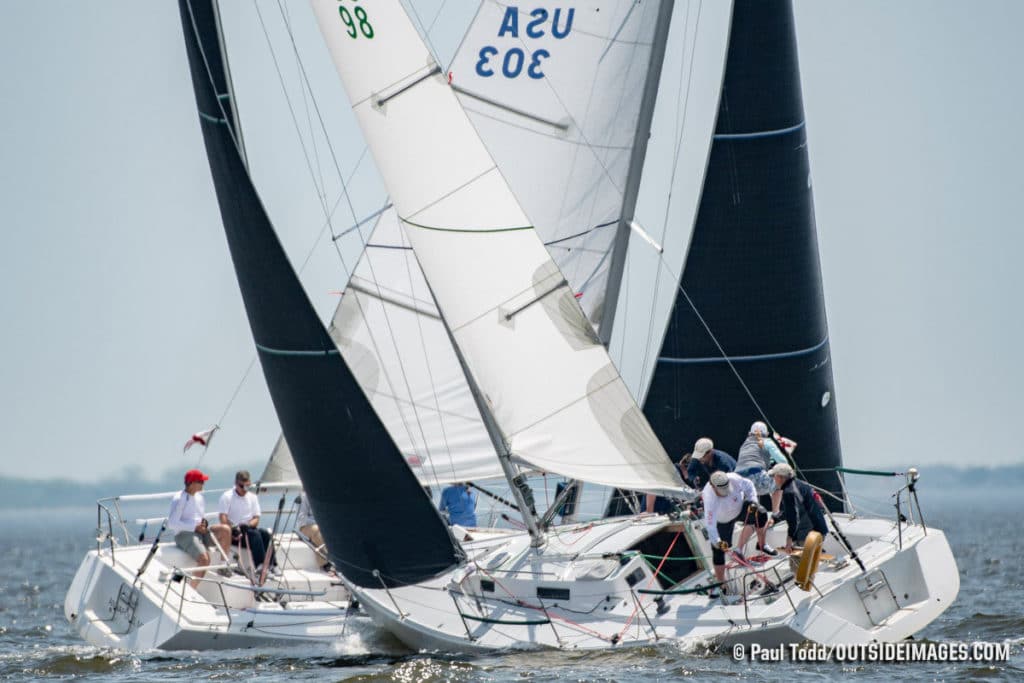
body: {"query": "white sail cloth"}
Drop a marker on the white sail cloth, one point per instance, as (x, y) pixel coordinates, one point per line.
(391, 335)
(682, 130)
(562, 125)
(552, 388)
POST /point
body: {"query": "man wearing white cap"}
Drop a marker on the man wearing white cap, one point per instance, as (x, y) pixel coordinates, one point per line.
(728, 498)
(706, 460)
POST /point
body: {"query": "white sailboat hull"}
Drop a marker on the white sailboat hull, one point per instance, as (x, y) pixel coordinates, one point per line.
(498, 600)
(110, 608)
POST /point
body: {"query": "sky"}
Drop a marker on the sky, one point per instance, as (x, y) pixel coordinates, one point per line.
(124, 330)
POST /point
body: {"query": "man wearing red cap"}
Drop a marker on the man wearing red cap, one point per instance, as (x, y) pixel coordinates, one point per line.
(187, 519)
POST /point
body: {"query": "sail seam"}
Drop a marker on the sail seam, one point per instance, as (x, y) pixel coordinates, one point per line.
(440, 229)
(212, 119)
(740, 359)
(759, 134)
(293, 352)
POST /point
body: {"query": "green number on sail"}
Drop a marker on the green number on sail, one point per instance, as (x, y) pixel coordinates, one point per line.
(361, 19)
(346, 17)
(364, 22)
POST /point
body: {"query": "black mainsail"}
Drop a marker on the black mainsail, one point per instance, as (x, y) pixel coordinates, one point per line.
(377, 521)
(752, 271)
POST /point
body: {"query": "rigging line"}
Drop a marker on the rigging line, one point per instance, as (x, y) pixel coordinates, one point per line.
(425, 32)
(329, 224)
(680, 126)
(377, 351)
(721, 350)
(355, 218)
(316, 108)
(322, 188)
(430, 374)
(213, 83)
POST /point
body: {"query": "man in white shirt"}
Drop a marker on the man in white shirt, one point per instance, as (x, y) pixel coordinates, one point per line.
(187, 519)
(728, 498)
(240, 510)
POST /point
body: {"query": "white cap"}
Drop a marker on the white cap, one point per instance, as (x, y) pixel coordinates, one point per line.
(702, 447)
(720, 482)
(759, 428)
(781, 469)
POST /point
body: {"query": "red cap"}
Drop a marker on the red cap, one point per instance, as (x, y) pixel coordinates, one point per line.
(193, 476)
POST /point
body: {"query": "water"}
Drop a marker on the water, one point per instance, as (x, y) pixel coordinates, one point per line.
(43, 549)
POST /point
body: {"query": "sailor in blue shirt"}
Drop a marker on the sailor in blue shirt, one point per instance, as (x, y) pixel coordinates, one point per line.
(459, 501)
(707, 460)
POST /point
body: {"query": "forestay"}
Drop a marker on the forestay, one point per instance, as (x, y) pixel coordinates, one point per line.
(557, 398)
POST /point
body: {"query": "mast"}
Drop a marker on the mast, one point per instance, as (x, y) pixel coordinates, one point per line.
(636, 164)
(501, 449)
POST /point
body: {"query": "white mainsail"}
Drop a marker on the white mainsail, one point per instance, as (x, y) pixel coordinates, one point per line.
(551, 386)
(555, 93)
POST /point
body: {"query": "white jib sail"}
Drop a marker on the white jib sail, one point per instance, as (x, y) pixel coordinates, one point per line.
(555, 94)
(551, 386)
(682, 129)
(391, 335)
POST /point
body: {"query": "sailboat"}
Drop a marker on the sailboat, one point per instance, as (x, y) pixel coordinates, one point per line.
(550, 400)
(134, 593)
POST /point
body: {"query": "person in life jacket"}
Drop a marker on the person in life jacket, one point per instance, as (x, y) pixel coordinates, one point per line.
(799, 501)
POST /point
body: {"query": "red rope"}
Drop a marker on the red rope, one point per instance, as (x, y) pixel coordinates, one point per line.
(656, 572)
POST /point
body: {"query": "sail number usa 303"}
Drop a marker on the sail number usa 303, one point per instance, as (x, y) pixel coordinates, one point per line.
(357, 22)
(515, 61)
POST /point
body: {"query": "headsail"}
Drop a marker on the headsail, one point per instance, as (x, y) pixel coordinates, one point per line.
(346, 459)
(390, 332)
(551, 386)
(752, 270)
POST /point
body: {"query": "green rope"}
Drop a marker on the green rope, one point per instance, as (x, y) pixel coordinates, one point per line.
(673, 559)
(870, 473)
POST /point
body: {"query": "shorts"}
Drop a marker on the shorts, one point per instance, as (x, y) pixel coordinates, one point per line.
(763, 482)
(192, 543)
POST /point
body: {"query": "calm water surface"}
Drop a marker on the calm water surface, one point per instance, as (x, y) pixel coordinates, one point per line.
(44, 547)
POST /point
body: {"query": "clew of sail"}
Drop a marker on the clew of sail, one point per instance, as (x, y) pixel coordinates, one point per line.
(548, 382)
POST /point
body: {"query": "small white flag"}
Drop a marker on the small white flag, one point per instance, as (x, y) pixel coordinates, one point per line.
(202, 438)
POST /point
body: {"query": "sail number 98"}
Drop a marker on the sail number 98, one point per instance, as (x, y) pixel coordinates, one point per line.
(354, 25)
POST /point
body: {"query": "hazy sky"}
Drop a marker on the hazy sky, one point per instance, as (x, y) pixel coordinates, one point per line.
(123, 327)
